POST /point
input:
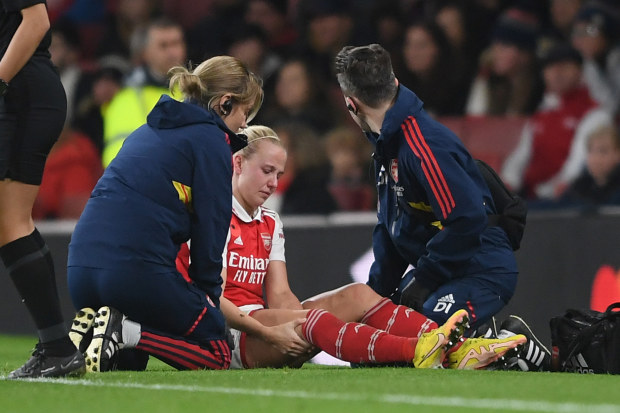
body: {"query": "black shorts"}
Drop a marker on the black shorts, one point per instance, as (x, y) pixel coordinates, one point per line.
(32, 115)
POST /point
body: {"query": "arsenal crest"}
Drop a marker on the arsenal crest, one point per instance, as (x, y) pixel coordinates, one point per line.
(266, 241)
(394, 169)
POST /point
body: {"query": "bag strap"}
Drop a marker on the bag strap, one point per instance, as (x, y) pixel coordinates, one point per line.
(581, 341)
(611, 308)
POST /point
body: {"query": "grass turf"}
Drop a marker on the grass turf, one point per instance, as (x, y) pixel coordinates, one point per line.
(310, 389)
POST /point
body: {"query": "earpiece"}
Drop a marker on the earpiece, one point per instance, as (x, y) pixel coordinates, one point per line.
(351, 105)
(226, 107)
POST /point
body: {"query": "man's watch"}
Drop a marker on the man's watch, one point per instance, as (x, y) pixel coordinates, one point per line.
(3, 87)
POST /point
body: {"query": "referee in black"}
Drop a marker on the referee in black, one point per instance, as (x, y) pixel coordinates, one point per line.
(33, 106)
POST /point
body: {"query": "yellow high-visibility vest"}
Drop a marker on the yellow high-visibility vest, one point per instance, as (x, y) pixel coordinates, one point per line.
(127, 112)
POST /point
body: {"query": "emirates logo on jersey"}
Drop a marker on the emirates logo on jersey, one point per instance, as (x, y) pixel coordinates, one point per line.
(394, 169)
(266, 241)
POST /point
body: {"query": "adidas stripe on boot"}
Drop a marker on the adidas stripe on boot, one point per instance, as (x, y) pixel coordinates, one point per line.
(535, 356)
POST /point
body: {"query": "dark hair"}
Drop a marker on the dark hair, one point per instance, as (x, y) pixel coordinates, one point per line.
(366, 73)
(560, 52)
(68, 31)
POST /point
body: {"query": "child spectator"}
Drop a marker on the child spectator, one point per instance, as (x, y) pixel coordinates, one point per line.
(599, 183)
(302, 189)
(350, 184)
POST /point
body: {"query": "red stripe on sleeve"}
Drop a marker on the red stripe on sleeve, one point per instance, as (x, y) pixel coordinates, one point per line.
(432, 180)
(438, 183)
(434, 162)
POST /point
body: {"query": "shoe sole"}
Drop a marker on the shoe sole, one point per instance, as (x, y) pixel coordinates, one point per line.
(81, 325)
(93, 352)
(453, 330)
(458, 327)
(497, 359)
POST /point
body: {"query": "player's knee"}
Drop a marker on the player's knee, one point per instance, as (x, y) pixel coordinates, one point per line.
(358, 292)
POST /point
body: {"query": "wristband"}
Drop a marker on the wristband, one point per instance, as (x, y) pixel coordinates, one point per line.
(3, 87)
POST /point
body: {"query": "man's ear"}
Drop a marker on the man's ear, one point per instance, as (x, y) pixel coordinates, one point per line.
(351, 105)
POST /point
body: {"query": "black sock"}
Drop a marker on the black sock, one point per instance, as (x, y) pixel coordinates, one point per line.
(48, 257)
(27, 260)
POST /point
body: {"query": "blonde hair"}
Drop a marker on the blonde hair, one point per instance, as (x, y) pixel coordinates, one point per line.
(216, 77)
(256, 133)
(346, 138)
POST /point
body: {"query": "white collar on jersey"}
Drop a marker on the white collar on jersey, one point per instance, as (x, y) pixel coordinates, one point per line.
(243, 215)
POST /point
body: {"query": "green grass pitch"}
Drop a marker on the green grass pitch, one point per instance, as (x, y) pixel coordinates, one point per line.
(312, 389)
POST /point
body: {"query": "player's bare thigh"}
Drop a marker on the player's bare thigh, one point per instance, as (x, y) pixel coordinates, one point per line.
(349, 303)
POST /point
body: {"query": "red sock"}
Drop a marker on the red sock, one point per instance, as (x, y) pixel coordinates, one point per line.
(355, 342)
(398, 319)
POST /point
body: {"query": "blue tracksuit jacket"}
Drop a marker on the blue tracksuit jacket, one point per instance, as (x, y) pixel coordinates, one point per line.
(170, 182)
(433, 205)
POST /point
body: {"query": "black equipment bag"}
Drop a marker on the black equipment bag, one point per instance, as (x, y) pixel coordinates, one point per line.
(511, 208)
(586, 341)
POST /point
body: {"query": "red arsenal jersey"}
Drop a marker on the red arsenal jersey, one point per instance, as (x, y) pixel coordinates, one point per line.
(253, 241)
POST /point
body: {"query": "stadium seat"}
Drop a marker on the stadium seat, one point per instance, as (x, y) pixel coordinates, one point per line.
(490, 139)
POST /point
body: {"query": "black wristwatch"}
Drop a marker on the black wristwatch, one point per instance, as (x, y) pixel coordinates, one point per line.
(3, 87)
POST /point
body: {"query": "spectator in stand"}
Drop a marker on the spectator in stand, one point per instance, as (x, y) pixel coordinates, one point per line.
(388, 22)
(350, 184)
(302, 189)
(272, 17)
(299, 96)
(327, 26)
(551, 150)
(106, 83)
(453, 20)
(249, 44)
(594, 36)
(162, 47)
(508, 81)
(121, 24)
(188, 13)
(599, 183)
(65, 54)
(71, 172)
(430, 71)
(208, 37)
(562, 14)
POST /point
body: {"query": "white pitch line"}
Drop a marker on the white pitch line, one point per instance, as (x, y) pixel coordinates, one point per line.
(462, 402)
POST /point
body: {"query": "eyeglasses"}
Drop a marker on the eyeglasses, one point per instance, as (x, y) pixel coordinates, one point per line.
(590, 30)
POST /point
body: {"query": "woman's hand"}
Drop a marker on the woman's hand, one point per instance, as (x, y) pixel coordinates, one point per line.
(286, 339)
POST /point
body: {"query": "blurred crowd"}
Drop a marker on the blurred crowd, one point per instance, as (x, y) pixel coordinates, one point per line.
(554, 62)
